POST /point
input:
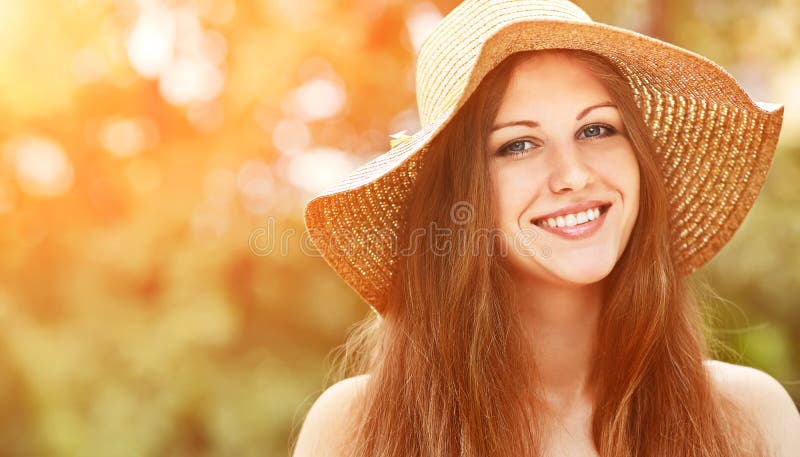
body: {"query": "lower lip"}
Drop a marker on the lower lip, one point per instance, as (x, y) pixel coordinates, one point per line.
(578, 232)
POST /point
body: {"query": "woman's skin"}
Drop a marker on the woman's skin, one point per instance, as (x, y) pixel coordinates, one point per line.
(558, 140)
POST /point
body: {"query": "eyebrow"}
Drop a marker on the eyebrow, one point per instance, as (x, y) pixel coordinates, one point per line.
(532, 124)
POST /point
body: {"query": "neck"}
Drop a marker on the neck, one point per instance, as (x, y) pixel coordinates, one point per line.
(562, 325)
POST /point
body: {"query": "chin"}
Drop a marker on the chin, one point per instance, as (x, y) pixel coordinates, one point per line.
(568, 274)
(585, 277)
(584, 273)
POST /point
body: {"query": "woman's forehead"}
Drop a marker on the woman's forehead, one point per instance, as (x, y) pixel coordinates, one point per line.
(548, 72)
(544, 86)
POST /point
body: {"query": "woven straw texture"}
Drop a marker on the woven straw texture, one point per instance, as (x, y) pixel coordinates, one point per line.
(713, 143)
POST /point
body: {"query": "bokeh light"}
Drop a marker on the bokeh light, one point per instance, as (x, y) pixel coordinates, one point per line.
(422, 18)
(316, 169)
(291, 135)
(41, 165)
(317, 99)
(127, 137)
(255, 183)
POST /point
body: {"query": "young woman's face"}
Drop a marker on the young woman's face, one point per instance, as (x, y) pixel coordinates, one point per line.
(559, 154)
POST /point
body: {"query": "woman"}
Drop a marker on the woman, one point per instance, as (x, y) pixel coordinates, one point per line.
(527, 252)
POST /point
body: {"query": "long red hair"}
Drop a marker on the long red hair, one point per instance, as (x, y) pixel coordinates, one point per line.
(450, 365)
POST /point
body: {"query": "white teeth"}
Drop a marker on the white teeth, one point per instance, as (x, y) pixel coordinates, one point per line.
(571, 220)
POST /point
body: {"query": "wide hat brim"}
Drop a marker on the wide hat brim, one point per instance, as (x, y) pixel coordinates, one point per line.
(714, 145)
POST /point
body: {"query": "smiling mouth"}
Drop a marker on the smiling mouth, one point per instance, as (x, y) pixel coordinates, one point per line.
(573, 219)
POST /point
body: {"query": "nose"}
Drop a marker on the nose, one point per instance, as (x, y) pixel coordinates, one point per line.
(568, 171)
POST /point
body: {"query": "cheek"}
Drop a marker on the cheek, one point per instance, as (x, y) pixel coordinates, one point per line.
(620, 169)
(515, 186)
(630, 165)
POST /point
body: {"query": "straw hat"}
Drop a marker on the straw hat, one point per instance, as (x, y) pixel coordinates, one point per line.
(714, 144)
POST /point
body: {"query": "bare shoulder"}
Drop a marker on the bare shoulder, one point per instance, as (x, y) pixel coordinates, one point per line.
(765, 398)
(324, 428)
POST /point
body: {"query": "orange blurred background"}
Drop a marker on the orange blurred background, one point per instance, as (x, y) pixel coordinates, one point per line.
(157, 295)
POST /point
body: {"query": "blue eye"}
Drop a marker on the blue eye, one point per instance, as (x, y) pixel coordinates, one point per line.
(596, 130)
(515, 148)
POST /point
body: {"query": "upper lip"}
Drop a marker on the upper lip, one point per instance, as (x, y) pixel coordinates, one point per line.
(571, 209)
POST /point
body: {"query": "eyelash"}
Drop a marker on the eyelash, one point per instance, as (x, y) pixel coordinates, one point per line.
(503, 151)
